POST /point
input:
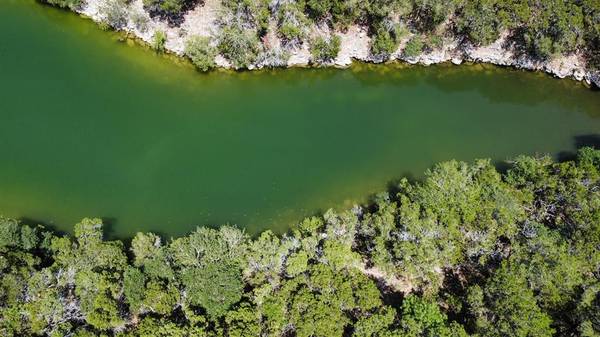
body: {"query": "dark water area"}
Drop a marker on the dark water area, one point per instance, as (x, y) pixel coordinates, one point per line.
(94, 126)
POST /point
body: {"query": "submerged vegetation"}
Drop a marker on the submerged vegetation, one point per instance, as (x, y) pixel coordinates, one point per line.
(539, 30)
(467, 251)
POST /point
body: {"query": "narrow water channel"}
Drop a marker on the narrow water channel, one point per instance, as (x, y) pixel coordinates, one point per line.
(93, 126)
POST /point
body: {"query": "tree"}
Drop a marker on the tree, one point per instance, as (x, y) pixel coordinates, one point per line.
(507, 307)
(479, 21)
(430, 13)
(319, 8)
(423, 318)
(160, 298)
(243, 321)
(297, 263)
(216, 287)
(9, 233)
(134, 284)
(511, 254)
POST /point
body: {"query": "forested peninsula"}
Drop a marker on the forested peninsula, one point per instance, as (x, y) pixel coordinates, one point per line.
(465, 251)
(561, 37)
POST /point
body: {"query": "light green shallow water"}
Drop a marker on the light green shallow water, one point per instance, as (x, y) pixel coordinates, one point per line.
(90, 126)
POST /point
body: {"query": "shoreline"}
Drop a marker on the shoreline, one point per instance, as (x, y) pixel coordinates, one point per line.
(354, 46)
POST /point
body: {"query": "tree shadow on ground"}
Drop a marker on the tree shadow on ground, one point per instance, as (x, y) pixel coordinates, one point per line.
(173, 19)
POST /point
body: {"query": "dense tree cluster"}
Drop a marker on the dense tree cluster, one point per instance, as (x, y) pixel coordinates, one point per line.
(466, 251)
(536, 29)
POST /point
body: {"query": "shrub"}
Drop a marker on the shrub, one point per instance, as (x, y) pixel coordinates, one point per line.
(430, 13)
(292, 24)
(319, 8)
(239, 46)
(479, 21)
(140, 20)
(383, 44)
(159, 39)
(113, 12)
(435, 42)
(71, 4)
(202, 54)
(273, 58)
(386, 38)
(168, 6)
(253, 14)
(414, 47)
(323, 50)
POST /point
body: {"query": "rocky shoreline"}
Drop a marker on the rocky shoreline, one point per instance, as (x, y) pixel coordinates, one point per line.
(355, 44)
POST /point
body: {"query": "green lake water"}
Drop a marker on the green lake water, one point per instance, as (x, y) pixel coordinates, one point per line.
(92, 126)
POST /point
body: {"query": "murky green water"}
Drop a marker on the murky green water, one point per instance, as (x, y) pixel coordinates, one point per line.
(90, 126)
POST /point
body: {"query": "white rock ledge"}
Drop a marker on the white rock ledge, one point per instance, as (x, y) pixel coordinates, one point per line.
(355, 43)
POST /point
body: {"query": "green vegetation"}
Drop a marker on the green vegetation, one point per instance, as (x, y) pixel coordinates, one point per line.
(140, 20)
(414, 47)
(467, 251)
(325, 50)
(167, 6)
(239, 46)
(158, 41)
(539, 30)
(71, 4)
(114, 12)
(386, 39)
(200, 51)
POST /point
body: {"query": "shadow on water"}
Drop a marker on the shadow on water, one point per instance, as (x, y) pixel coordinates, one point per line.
(502, 166)
(370, 203)
(518, 86)
(590, 140)
(581, 141)
(36, 222)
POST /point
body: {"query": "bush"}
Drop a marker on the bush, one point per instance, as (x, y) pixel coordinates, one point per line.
(239, 46)
(159, 39)
(386, 39)
(113, 13)
(414, 47)
(430, 13)
(383, 44)
(168, 6)
(140, 20)
(9, 232)
(479, 21)
(71, 4)
(253, 14)
(273, 58)
(202, 54)
(323, 50)
(318, 8)
(292, 24)
(435, 42)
